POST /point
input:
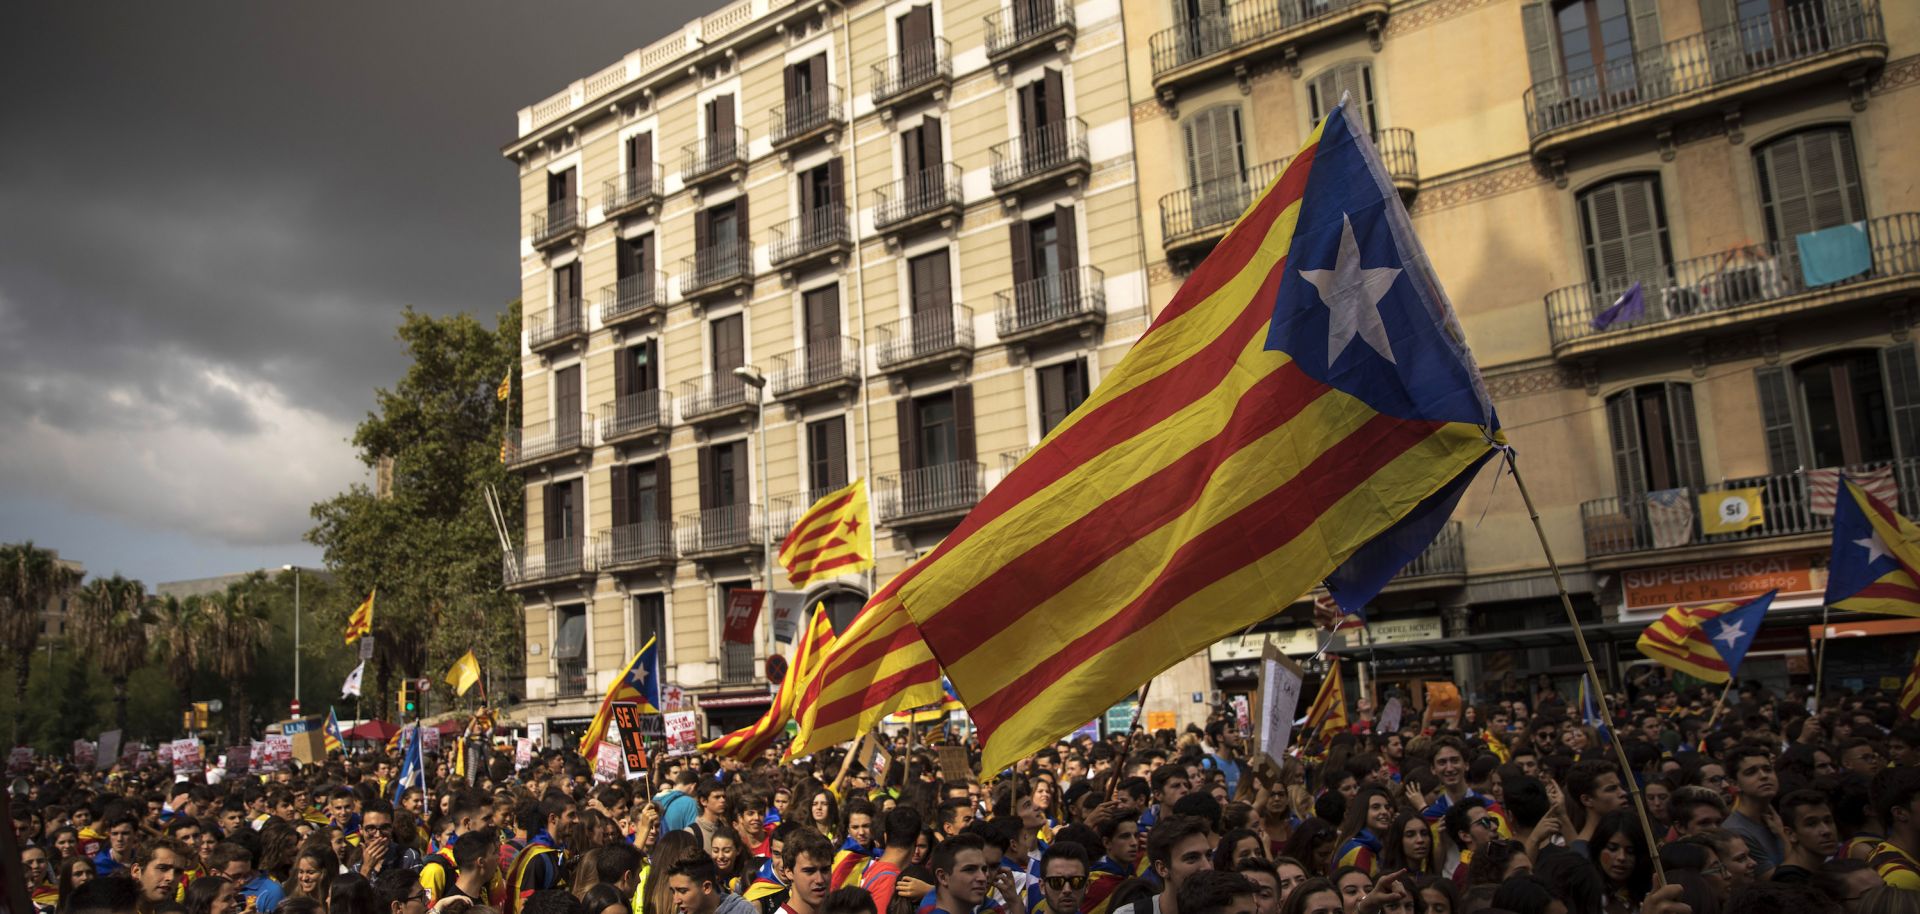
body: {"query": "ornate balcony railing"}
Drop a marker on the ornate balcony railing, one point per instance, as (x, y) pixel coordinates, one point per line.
(1242, 24)
(556, 326)
(825, 228)
(788, 509)
(1396, 153)
(714, 394)
(635, 414)
(923, 193)
(1724, 281)
(551, 561)
(632, 297)
(927, 334)
(715, 267)
(728, 528)
(559, 220)
(1052, 147)
(1196, 211)
(544, 440)
(633, 189)
(1707, 60)
(1048, 301)
(716, 153)
(802, 115)
(636, 545)
(916, 68)
(941, 489)
(1008, 30)
(1616, 525)
(825, 362)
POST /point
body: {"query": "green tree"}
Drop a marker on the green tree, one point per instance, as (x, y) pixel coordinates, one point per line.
(112, 631)
(237, 628)
(429, 543)
(30, 578)
(176, 642)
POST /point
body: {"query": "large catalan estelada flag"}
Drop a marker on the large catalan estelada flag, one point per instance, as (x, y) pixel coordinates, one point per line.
(879, 665)
(639, 683)
(1305, 409)
(360, 621)
(833, 538)
(1706, 642)
(1327, 716)
(746, 743)
(1875, 554)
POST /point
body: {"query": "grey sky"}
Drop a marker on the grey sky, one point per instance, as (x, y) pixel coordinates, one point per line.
(211, 215)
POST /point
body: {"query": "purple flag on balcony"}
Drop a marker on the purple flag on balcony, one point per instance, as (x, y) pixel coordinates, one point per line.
(1629, 307)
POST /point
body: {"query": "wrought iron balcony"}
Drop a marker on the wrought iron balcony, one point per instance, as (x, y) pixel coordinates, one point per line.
(908, 75)
(736, 664)
(788, 509)
(1250, 27)
(1193, 218)
(560, 221)
(540, 442)
(1755, 281)
(1028, 25)
(648, 412)
(1445, 556)
(1054, 150)
(551, 562)
(821, 233)
(931, 494)
(921, 198)
(716, 268)
(1396, 153)
(925, 338)
(1617, 525)
(806, 116)
(1075, 299)
(716, 154)
(713, 397)
(1706, 69)
(719, 531)
(1011, 459)
(648, 544)
(821, 366)
(563, 325)
(636, 298)
(633, 191)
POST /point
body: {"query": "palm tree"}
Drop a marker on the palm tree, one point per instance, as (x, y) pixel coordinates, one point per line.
(113, 633)
(30, 578)
(179, 627)
(236, 629)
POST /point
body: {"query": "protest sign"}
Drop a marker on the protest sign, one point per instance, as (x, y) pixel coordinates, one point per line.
(522, 752)
(682, 733)
(108, 751)
(239, 759)
(1390, 716)
(20, 760)
(786, 614)
(189, 758)
(1443, 701)
(606, 763)
(83, 753)
(633, 741)
(1280, 680)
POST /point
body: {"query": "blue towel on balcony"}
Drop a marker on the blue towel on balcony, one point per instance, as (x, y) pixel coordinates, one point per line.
(1831, 255)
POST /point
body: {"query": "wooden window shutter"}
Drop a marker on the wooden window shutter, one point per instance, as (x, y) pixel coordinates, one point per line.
(1646, 31)
(618, 477)
(817, 70)
(1065, 233)
(1629, 464)
(1685, 432)
(1625, 229)
(578, 530)
(963, 423)
(1777, 420)
(792, 76)
(701, 241)
(1055, 88)
(931, 156)
(622, 372)
(640, 153)
(1543, 59)
(836, 184)
(742, 477)
(643, 258)
(907, 426)
(1028, 107)
(549, 513)
(1809, 181)
(706, 457)
(1901, 368)
(1053, 396)
(1020, 244)
(663, 489)
(740, 225)
(836, 452)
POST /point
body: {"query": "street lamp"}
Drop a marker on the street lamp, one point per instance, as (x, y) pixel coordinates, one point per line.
(751, 377)
(296, 631)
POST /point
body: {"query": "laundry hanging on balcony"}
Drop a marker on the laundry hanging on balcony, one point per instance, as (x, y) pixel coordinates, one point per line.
(1822, 484)
(1670, 517)
(1831, 255)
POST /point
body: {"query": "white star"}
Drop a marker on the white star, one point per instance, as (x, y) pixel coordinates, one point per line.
(1875, 546)
(1352, 295)
(1731, 633)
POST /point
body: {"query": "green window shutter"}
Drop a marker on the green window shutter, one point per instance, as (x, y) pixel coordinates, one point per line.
(1685, 430)
(1623, 426)
(1543, 60)
(1901, 368)
(1777, 421)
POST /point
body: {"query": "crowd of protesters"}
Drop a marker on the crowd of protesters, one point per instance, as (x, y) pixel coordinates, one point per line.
(1519, 806)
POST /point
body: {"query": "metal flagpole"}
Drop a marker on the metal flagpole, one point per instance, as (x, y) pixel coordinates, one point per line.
(1819, 660)
(1586, 656)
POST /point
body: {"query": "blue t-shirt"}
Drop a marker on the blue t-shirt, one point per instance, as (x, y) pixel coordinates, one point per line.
(265, 892)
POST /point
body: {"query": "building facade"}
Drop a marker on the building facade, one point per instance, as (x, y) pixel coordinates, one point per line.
(1739, 171)
(787, 246)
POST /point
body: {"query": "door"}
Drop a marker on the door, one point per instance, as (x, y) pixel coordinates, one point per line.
(826, 455)
(922, 158)
(718, 244)
(723, 489)
(637, 370)
(1216, 166)
(565, 524)
(1063, 388)
(821, 309)
(819, 203)
(566, 298)
(1624, 226)
(1808, 181)
(917, 59)
(1845, 401)
(640, 164)
(1354, 80)
(1043, 114)
(932, 302)
(636, 266)
(721, 136)
(566, 406)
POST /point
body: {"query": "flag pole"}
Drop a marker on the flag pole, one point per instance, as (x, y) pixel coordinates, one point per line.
(1586, 657)
(1819, 659)
(1716, 708)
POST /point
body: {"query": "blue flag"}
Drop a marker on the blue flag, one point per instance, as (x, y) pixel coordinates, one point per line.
(1590, 710)
(1629, 307)
(1732, 632)
(413, 768)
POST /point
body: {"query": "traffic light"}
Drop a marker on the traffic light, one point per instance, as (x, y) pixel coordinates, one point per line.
(408, 705)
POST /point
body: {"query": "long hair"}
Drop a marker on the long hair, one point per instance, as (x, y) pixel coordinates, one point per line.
(672, 848)
(1355, 820)
(1640, 880)
(351, 893)
(320, 855)
(1300, 847)
(1393, 855)
(1297, 900)
(202, 892)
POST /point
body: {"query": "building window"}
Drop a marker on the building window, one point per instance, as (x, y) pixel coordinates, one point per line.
(1063, 387)
(826, 455)
(723, 475)
(1623, 228)
(636, 368)
(1216, 165)
(1595, 36)
(1842, 409)
(936, 429)
(633, 259)
(570, 649)
(566, 297)
(640, 159)
(728, 336)
(842, 607)
(1809, 181)
(1656, 440)
(1355, 80)
(565, 508)
(563, 187)
(650, 622)
(568, 420)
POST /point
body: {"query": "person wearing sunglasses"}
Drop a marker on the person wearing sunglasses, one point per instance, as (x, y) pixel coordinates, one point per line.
(1063, 879)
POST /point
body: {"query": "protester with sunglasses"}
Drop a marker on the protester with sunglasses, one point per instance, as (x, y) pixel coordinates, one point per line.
(1063, 878)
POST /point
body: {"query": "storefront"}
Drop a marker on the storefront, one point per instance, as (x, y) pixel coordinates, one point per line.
(730, 710)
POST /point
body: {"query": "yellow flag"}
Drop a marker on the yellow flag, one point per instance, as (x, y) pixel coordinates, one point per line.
(361, 622)
(1730, 511)
(505, 389)
(465, 672)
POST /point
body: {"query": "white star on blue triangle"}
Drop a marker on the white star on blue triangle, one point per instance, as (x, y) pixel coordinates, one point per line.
(1732, 632)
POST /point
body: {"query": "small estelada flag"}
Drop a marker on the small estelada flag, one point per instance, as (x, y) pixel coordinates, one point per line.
(361, 621)
(833, 538)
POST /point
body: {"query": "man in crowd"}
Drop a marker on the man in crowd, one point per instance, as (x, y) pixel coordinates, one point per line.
(1178, 847)
(235, 863)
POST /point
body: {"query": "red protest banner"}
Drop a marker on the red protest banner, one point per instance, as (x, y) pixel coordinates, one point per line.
(743, 612)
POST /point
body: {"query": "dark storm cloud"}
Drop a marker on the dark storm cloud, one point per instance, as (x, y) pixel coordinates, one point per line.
(211, 214)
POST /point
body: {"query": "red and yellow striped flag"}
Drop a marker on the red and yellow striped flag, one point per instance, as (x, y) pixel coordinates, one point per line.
(879, 665)
(1675, 640)
(360, 622)
(1910, 691)
(831, 539)
(1328, 715)
(1304, 409)
(748, 742)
